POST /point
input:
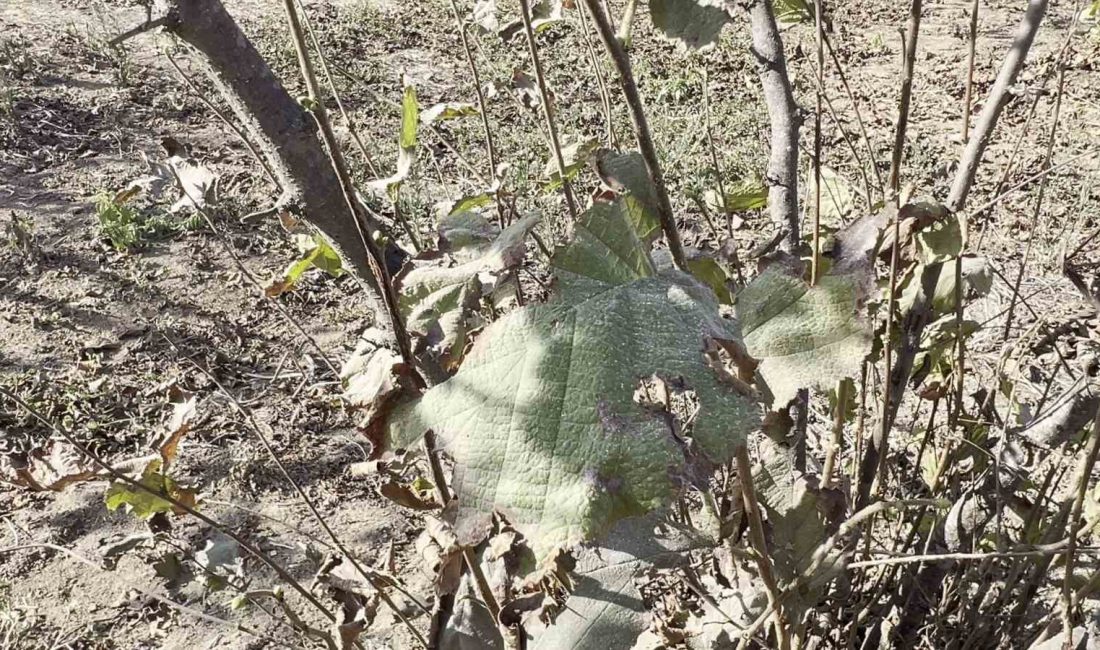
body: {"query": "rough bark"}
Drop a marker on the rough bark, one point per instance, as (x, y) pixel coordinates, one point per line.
(286, 133)
(782, 174)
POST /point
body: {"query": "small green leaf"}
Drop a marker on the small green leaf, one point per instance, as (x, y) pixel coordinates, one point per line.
(837, 197)
(314, 252)
(471, 202)
(143, 503)
(406, 150)
(238, 603)
(448, 111)
(410, 110)
(575, 155)
(793, 11)
(744, 195)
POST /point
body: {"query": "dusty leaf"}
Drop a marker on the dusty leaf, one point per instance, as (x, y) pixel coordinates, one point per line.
(800, 518)
(466, 235)
(837, 196)
(373, 377)
(438, 301)
(470, 626)
(53, 467)
(541, 419)
(804, 337)
(693, 24)
(220, 561)
(605, 608)
(625, 172)
(942, 241)
(977, 277)
(485, 16)
(575, 156)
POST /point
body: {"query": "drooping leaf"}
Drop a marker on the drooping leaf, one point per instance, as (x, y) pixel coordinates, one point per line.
(744, 195)
(313, 253)
(406, 141)
(575, 156)
(605, 608)
(143, 503)
(485, 16)
(448, 111)
(625, 172)
(800, 517)
(438, 300)
(977, 277)
(373, 377)
(470, 626)
(804, 337)
(694, 24)
(837, 196)
(541, 419)
(183, 412)
(410, 110)
(942, 241)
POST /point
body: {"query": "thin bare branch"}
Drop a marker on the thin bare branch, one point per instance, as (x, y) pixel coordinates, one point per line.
(998, 98)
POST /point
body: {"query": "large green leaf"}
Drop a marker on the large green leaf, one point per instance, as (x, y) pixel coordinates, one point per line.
(695, 24)
(541, 418)
(804, 337)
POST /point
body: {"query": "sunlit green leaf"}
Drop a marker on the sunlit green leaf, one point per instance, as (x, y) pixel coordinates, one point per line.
(541, 416)
(143, 503)
(575, 156)
(448, 111)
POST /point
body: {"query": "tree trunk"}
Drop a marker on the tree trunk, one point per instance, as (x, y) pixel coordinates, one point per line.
(285, 131)
(782, 175)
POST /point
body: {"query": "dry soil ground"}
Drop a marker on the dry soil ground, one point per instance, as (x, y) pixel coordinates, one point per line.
(96, 337)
